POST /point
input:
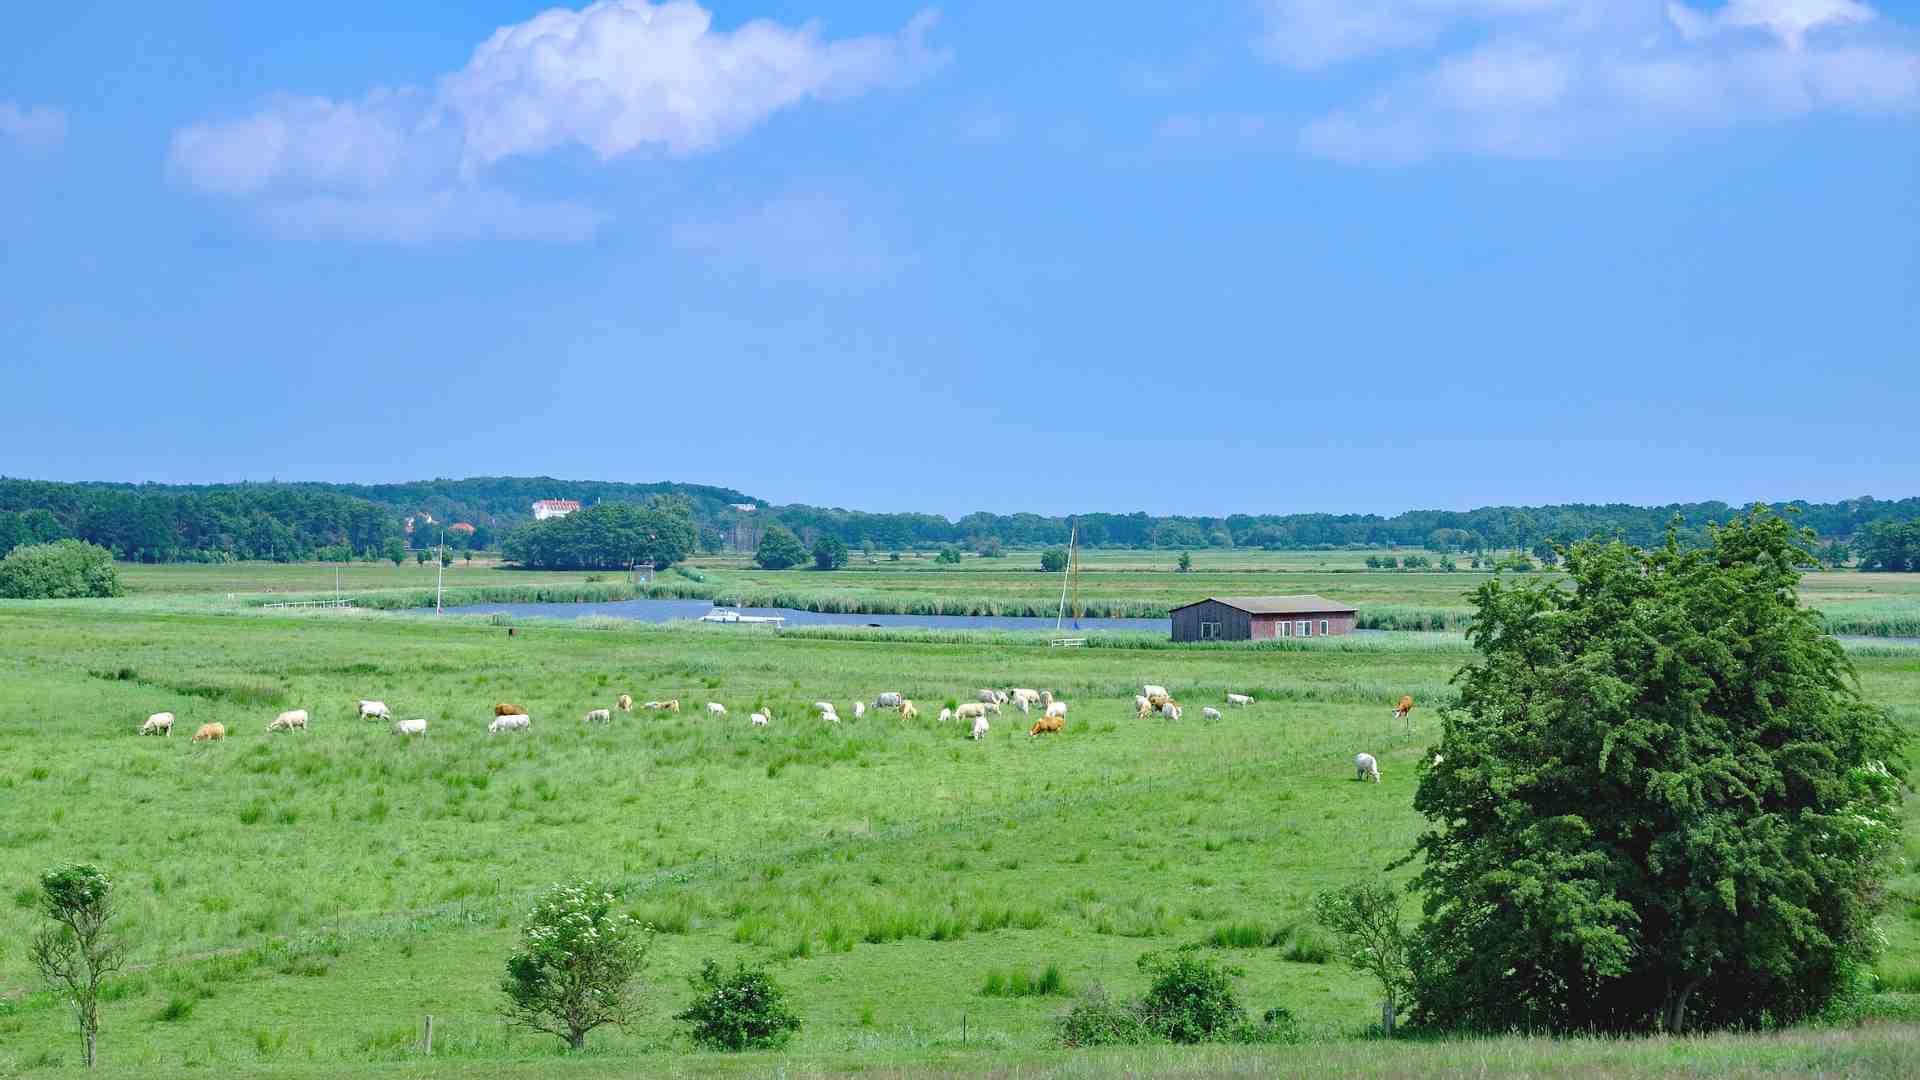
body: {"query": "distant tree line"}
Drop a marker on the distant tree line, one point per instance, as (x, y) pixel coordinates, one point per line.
(157, 523)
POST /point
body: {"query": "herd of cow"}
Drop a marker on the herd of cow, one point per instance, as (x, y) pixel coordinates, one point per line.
(1150, 701)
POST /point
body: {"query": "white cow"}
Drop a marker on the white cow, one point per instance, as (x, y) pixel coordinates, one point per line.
(1239, 699)
(1170, 711)
(1057, 708)
(160, 723)
(946, 715)
(1210, 713)
(295, 718)
(761, 718)
(599, 716)
(1366, 768)
(889, 700)
(507, 723)
(823, 706)
(1151, 690)
(714, 708)
(1023, 697)
(859, 709)
(980, 727)
(1141, 707)
(374, 710)
(415, 726)
(990, 697)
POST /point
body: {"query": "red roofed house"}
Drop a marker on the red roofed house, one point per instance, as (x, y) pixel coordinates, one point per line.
(460, 527)
(553, 508)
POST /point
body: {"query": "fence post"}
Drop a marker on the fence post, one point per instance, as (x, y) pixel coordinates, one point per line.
(429, 1034)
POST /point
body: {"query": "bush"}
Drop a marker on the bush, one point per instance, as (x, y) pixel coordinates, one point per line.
(990, 548)
(1053, 560)
(1191, 1000)
(949, 555)
(779, 550)
(56, 571)
(745, 1010)
(1098, 1020)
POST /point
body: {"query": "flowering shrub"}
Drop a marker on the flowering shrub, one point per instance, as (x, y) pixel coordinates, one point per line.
(746, 1010)
(578, 964)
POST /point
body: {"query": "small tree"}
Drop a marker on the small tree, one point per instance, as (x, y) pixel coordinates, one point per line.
(1365, 917)
(746, 1010)
(396, 551)
(1185, 564)
(990, 548)
(420, 557)
(829, 553)
(75, 954)
(949, 555)
(1053, 560)
(1191, 999)
(779, 549)
(578, 964)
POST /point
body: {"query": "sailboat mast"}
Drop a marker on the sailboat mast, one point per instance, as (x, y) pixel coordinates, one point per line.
(1066, 578)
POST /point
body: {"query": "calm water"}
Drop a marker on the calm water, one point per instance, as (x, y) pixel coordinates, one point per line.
(668, 610)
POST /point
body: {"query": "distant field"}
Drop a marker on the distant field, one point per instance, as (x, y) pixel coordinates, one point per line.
(1872, 604)
(296, 903)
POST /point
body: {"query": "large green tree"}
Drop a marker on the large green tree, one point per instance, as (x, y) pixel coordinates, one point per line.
(609, 537)
(779, 550)
(1659, 799)
(60, 570)
(1888, 545)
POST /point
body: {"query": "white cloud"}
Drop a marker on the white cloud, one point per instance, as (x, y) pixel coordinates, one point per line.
(32, 125)
(1316, 33)
(1523, 79)
(615, 78)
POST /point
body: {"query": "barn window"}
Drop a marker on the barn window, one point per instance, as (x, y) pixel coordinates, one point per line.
(1303, 628)
(1286, 629)
(1323, 628)
(1209, 631)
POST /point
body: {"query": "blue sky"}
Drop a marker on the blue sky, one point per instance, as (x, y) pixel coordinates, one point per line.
(1226, 256)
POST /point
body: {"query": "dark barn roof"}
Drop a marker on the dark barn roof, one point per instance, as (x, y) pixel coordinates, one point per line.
(1277, 605)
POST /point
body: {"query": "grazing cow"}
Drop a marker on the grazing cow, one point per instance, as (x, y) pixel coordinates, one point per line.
(1366, 768)
(907, 711)
(859, 709)
(416, 726)
(1056, 709)
(714, 708)
(823, 706)
(663, 706)
(625, 702)
(970, 710)
(160, 723)
(1141, 708)
(1239, 699)
(510, 722)
(1023, 697)
(762, 718)
(374, 710)
(292, 718)
(979, 727)
(1155, 691)
(1046, 697)
(830, 716)
(1401, 710)
(1047, 725)
(1170, 710)
(1209, 713)
(210, 733)
(509, 710)
(990, 697)
(599, 716)
(1157, 701)
(946, 715)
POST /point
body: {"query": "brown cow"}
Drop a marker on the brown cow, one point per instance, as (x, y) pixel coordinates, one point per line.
(509, 710)
(210, 733)
(1048, 724)
(1401, 710)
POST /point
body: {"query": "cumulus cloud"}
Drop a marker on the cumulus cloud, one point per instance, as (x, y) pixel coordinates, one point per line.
(614, 78)
(32, 125)
(1524, 79)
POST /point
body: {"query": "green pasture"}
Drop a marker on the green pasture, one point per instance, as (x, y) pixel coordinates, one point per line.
(300, 902)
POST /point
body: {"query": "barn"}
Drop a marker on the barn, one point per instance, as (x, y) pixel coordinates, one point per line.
(1260, 618)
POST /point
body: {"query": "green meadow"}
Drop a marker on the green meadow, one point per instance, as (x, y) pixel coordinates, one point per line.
(300, 902)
